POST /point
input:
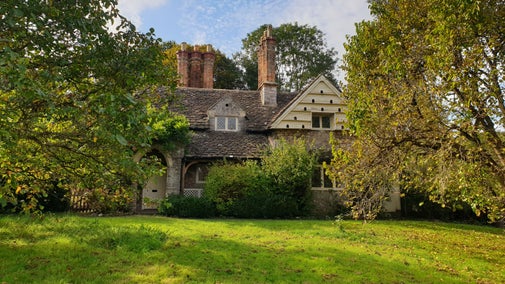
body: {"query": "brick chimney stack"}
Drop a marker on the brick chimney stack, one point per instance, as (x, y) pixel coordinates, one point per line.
(196, 69)
(182, 65)
(266, 69)
(208, 68)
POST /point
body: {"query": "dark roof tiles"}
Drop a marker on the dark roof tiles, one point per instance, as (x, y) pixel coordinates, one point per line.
(215, 144)
(196, 102)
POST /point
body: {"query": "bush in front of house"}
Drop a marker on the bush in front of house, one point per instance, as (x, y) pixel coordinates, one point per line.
(187, 207)
(228, 184)
(278, 187)
(289, 167)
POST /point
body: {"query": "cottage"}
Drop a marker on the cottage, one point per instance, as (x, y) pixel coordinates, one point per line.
(239, 124)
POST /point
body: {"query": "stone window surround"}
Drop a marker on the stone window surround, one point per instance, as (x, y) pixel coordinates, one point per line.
(230, 123)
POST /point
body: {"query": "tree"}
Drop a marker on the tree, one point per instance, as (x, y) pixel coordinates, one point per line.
(301, 55)
(426, 83)
(74, 98)
(226, 73)
(367, 173)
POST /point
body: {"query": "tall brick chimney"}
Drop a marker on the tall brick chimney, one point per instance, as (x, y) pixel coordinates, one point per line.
(196, 69)
(208, 68)
(182, 65)
(266, 69)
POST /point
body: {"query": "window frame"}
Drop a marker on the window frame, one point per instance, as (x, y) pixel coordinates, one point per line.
(200, 175)
(320, 180)
(227, 123)
(320, 121)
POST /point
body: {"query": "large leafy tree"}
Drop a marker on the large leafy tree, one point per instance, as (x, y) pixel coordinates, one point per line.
(301, 54)
(426, 95)
(75, 98)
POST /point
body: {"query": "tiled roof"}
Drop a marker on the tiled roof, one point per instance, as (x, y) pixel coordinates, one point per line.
(196, 102)
(216, 144)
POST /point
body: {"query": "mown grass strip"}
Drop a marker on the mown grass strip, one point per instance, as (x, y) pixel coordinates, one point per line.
(140, 249)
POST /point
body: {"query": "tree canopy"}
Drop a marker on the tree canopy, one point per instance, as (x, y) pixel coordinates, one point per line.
(301, 55)
(425, 84)
(76, 98)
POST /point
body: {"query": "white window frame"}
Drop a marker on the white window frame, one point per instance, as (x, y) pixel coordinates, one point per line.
(227, 122)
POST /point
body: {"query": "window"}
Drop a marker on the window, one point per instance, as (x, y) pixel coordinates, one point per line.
(321, 180)
(201, 174)
(322, 121)
(226, 123)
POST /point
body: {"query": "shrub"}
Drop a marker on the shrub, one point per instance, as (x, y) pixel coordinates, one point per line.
(187, 207)
(280, 188)
(281, 206)
(53, 198)
(228, 183)
(103, 200)
(290, 166)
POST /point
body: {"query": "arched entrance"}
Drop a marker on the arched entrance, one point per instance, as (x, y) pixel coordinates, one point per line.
(155, 189)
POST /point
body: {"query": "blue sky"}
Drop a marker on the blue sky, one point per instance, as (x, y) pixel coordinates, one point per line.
(225, 23)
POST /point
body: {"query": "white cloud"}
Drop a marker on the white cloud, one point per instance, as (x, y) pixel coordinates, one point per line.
(336, 18)
(224, 23)
(131, 9)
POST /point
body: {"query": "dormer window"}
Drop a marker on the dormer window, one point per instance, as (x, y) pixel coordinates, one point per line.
(321, 121)
(224, 123)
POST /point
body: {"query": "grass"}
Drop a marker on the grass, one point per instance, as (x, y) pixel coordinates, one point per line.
(141, 249)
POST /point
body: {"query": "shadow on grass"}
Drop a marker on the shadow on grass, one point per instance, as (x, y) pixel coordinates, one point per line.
(80, 250)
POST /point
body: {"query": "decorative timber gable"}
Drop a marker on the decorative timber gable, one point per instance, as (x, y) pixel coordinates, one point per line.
(320, 106)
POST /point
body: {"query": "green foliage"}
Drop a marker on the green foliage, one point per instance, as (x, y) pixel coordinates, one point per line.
(107, 201)
(227, 74)
(301, 55)
(365, 185)
(417, 205)
(55, 199)
(425, 91)
(73, 97)
(266, 205)
(168, 129)
(279, 187)
(228, 183)
(289, 166)
(187, 207)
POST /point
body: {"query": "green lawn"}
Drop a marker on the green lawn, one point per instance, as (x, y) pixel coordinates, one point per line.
(141, 249)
